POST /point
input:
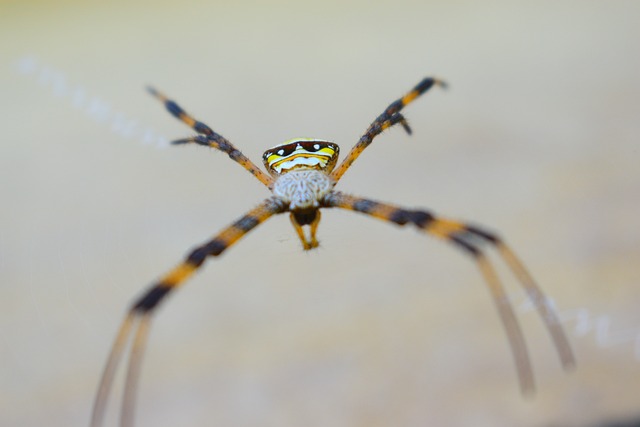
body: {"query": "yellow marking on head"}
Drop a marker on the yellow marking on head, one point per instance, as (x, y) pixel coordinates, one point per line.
(276, 162)
(301, 153)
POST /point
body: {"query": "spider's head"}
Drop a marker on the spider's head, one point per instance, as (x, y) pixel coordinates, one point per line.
(301, 153)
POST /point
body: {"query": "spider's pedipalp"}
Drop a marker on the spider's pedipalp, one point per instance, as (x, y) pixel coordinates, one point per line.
(312, 219)
(469, 239)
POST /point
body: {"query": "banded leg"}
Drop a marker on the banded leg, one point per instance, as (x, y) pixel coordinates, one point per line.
(139, 316)
(388, 118)
(210, 138)
(470, 239)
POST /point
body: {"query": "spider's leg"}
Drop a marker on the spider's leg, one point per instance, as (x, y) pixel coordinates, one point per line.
(210, 138)
(388, 118)
(139, 316)
(220, 143)
(110, 369)
(180, 114)
(470, 239)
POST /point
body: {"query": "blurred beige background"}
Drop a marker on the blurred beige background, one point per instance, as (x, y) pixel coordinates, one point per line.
(537, 138)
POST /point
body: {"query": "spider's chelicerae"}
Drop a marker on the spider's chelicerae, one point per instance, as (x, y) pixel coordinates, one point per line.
(302, 176)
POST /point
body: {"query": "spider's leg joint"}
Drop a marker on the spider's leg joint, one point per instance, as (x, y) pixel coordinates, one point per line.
(419, 218)
(405, 125)
(366, 206)
(234, 153)
(151, 299)
(467, 246)
(198, 139)
(213, 248)
(490, 237)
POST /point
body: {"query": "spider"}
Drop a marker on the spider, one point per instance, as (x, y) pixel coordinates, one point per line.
(302, 176)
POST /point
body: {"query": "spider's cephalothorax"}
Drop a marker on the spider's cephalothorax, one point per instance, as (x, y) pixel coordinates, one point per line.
(302, 175)
(301, 169)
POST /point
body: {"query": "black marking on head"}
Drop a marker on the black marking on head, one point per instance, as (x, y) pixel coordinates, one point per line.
(311, 146)
(281, 150)
(151, 298)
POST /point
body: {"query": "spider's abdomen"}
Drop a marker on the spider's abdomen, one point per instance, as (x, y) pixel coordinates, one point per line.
(303, 189)
(301, 153)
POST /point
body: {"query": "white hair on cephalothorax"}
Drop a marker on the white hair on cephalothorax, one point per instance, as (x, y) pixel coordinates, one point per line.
(303, 189)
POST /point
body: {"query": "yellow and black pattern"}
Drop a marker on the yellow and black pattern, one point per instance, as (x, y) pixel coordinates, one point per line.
(471, 240)
(209, 138)
(303, 193)
(214, 247)
(301, 153)
(388, 118)
(140, 312)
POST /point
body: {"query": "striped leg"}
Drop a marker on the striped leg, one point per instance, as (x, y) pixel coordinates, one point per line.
(210, 138)
(139, 316)
(388, 118)
(471, 239)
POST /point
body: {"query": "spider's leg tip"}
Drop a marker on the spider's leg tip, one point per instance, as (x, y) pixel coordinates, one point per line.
(405, 124)
(155, 93)
(197, 139)
(441, 83)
